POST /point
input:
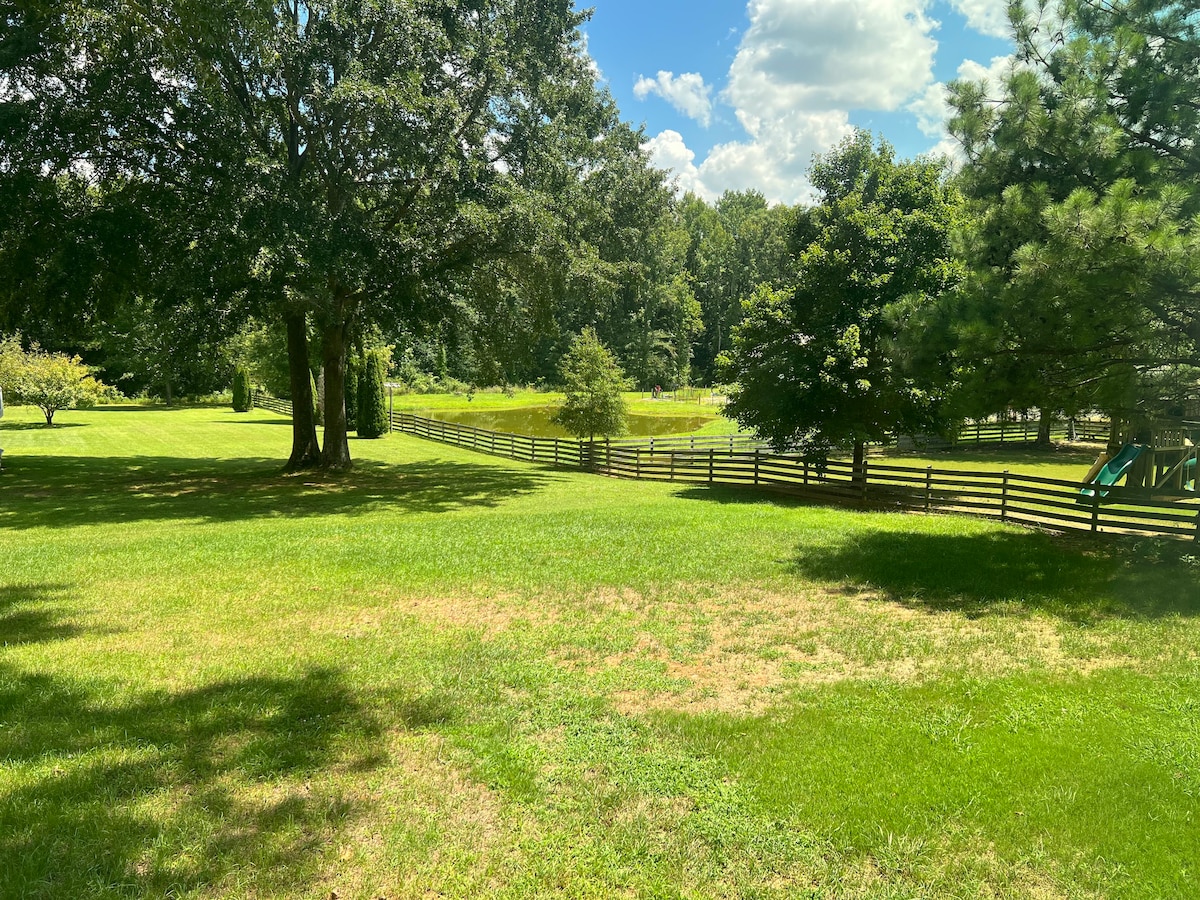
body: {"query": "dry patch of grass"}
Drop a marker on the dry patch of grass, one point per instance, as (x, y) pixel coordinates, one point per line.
(740, 652)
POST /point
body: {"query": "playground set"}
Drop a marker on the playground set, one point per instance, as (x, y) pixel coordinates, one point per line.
(1160, 459)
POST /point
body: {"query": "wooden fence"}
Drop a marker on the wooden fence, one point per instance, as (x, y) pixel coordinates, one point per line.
(266, 401)
(1090, 430)
(1023, 499)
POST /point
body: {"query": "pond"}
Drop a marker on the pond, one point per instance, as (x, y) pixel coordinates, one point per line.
(534, 421)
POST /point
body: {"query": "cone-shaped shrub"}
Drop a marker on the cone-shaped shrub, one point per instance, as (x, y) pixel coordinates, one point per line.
(372, 404)
(353, 368)
(243, 397)
(316, 399)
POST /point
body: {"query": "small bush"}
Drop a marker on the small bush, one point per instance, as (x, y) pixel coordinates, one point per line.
(372, 403)
(243, 396)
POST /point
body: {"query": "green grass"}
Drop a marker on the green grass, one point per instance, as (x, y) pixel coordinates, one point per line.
(447, 674)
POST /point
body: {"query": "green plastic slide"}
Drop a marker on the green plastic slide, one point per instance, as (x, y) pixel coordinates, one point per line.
(1115, 469)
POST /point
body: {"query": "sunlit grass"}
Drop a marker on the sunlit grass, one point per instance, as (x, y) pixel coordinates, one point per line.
(448, 673)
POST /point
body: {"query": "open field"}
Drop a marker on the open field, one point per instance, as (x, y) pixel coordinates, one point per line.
(452, 675)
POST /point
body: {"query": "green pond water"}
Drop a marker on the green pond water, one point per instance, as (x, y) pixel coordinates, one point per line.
(535, 421)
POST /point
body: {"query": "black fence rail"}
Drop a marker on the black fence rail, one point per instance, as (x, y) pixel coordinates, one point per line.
(1023, 499)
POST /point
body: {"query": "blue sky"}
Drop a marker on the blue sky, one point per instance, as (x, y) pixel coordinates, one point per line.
(739, 94)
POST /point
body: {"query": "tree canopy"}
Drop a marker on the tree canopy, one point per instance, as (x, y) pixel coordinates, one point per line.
(1082, 173)
(815, 363)
(593, 382)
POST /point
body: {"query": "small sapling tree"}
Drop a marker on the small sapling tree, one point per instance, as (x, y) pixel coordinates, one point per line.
(593, 382)
(372, 404)
(243, 397)
(53, 381)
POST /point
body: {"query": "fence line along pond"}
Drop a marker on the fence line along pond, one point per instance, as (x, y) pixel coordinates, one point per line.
(740, 461)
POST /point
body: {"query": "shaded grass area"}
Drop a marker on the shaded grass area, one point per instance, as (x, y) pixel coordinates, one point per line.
(1013, 573)
(65, 491)
(450, 674)
(1093, 780)
(165, 793)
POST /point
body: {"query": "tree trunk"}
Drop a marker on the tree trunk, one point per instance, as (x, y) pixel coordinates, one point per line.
(336, 452)
(1043, 438)
(167, 390)
(49, 413)
(306, 452)
(1115, 433)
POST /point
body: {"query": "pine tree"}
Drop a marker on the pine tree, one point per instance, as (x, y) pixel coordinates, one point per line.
(372, 404)
(593, 383)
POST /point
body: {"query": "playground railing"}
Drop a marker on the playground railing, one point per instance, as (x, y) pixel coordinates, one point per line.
(1049, 503)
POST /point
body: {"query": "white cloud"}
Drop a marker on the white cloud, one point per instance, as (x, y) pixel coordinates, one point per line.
(668, 151)
(988, 17)
(932, 109)
(814, 54)
(687, 93)
(800, 68)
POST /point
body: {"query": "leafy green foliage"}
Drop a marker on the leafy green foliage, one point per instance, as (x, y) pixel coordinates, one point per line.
(49, 381)
(1083, 174)
(354, 370)
(243, 394)
(593, 382)
(816, 365)
(372, 396)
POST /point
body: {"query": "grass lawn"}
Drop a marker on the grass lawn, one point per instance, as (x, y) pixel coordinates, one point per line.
(452, 675)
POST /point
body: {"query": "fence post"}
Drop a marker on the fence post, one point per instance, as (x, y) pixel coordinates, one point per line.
(863, 490)
(637, 462)
(806, 472)
(928, 487)
(1095, 508)
(710, 465)
(672, 454)
(608, 455)
(757, 453)
(1004, 497)
(1198, 527)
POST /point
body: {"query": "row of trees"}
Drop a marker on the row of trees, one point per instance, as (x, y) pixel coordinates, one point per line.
(183, 182)
(185, 185)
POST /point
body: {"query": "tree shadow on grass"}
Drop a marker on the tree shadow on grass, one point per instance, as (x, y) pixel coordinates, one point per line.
(1009, 573)
(29, 614)
(40, 426)
(64, 491)
(241, 421)
(164, 794)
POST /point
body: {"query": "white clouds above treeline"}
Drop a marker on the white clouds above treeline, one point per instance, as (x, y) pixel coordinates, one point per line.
(800, 69)
(687, 93)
